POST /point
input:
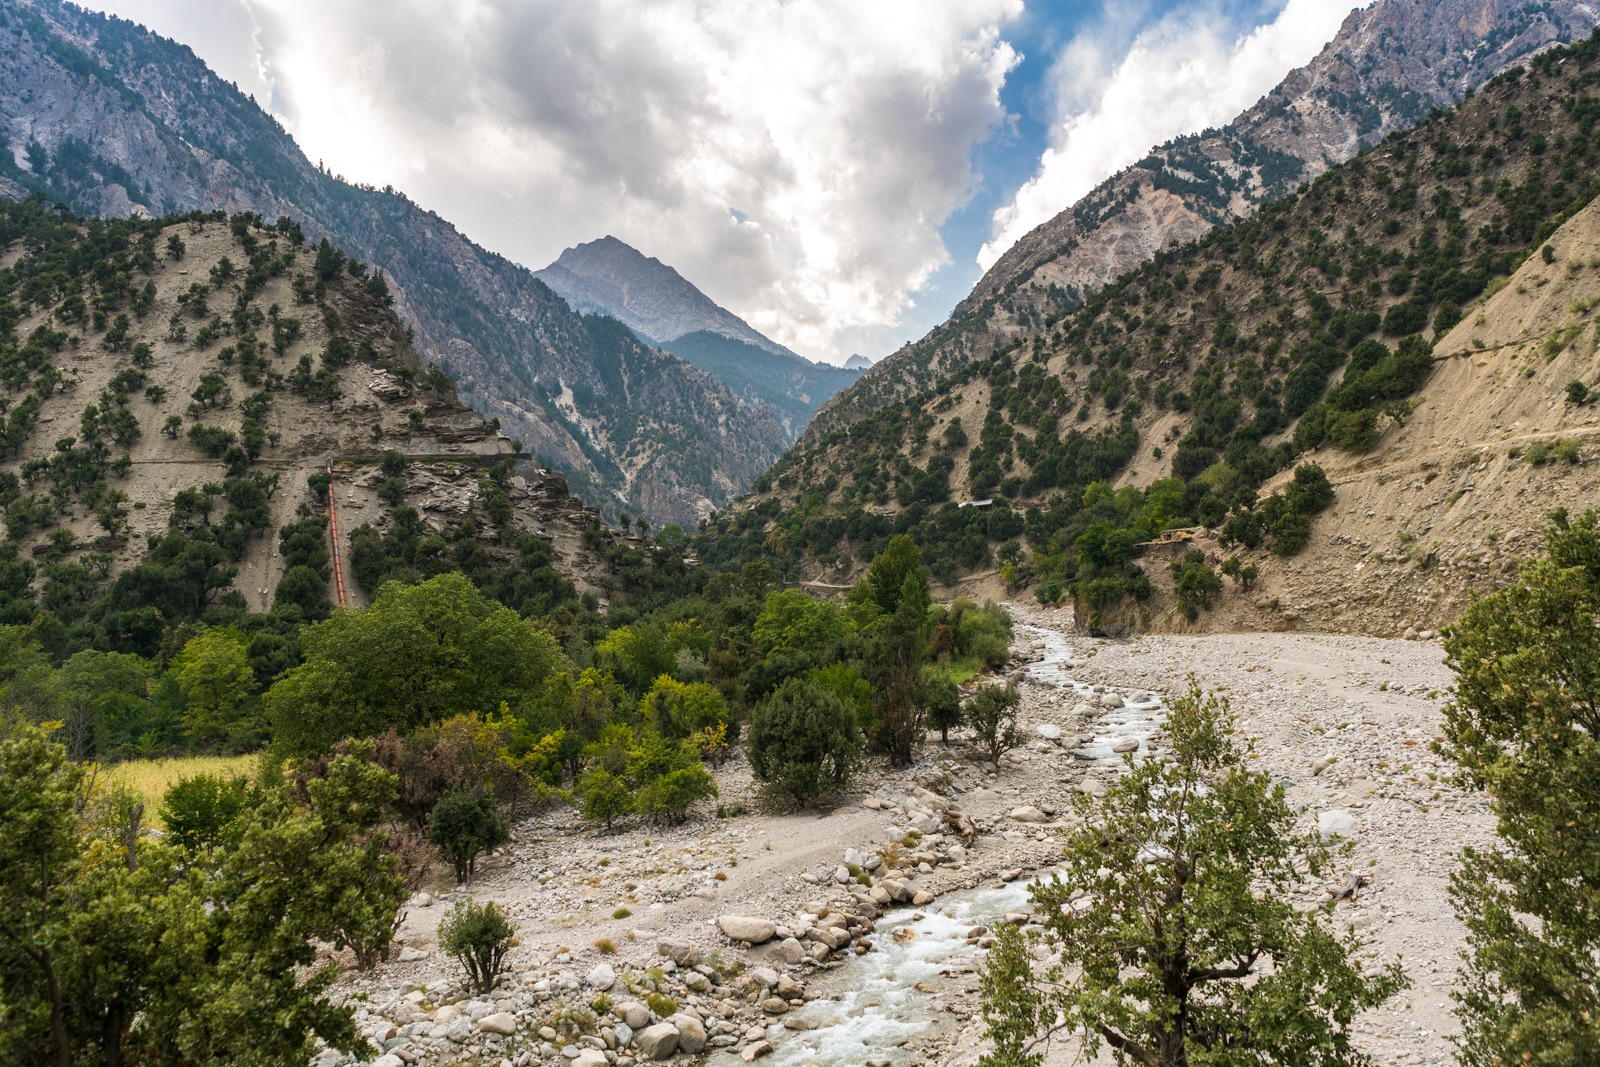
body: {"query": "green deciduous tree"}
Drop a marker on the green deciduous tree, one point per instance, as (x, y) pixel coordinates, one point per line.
(1525, 726)
(992, 714)
(464, 824)
(220, 710)
(804, 741)
(604, 796)
(942, 699)
(200, 812)
(418, 654)
(1170, 934)
(477, 936)
(113, 951)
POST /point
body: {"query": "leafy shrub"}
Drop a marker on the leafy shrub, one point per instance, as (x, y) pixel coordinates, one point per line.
(1578, 393)
(1407, 317)
(1353, 431)
(1195, 584)
(465, 823)
(1243, 573)
(604, 796)
(202, 812)
(669, 797)
(992, 714)
(941, 701)
(477, 936)
(804, 741)
(1242, 528)
(1446, 317)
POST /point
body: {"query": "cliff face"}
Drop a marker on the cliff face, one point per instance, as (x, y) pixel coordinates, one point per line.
(1388, 67)
(116, 121)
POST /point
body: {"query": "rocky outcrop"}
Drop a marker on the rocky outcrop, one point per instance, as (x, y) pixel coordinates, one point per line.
(1388, 67)
(114, 120)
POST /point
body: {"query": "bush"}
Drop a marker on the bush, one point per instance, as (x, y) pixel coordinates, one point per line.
(201, 812)
(667, 778)
(1407, 317)
(1243, 573)
(804, 741)
(992, 714)
(984, 633)
(1242, 528)
(604, 796)
(1578, 393)
(1446, 317)
(941, 701)
(465, 823)
(304, 592)
(477, 936)
(1353, 431)
(1195, 584)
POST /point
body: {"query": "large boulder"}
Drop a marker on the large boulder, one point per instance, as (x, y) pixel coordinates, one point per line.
(601, 978)
(499, 1023)
(680, 952)
(746, 928)
(657, 1042)
(691, 1033)
(590, 1057)
(791, 951)
(1028, 813)
(1336, 823)
(827, 935)
(633, 1013)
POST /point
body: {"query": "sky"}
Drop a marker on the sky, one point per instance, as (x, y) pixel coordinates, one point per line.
(838, 172)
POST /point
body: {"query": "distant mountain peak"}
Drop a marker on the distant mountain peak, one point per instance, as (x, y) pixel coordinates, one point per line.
(857, 362)
(611, 277)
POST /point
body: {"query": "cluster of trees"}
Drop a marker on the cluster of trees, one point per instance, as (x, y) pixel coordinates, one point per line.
(198, 947)
(1169, 934)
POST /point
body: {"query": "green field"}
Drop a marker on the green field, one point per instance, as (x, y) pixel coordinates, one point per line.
(151, 777)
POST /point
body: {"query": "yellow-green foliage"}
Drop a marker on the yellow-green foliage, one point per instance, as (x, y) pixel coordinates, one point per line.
(151, 777)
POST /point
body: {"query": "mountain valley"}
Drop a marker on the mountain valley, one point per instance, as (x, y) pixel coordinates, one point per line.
(1189, 392)
(114, 120)
(1388, 67)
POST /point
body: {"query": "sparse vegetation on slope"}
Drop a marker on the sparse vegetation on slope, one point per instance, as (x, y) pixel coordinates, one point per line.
(1172, 397)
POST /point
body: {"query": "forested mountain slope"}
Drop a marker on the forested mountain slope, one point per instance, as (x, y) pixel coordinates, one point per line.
(1184, 394)
(113, 120)
(1389, 65)
(176, 397)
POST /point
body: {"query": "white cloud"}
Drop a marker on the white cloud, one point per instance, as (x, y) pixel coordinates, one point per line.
(793, 158)
(1188, 72)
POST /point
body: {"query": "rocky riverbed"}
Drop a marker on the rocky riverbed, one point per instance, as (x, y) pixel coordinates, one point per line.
(854, 936)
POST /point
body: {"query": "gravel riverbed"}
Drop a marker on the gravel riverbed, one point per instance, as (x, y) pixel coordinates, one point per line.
(750, 937)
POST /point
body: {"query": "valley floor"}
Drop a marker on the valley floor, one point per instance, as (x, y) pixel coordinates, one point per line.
(1344, 722)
